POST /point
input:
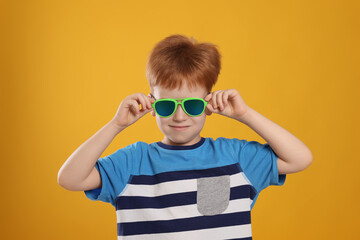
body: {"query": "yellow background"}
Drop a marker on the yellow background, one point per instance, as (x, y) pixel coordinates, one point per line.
(67, 65)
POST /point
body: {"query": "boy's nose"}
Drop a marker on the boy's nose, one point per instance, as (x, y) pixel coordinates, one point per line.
(179, 114)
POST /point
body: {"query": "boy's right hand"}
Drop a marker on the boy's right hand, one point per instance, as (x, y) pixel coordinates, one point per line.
(129, 110)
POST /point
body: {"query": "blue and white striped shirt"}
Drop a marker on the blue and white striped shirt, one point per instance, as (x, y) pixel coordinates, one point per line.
(203, 191)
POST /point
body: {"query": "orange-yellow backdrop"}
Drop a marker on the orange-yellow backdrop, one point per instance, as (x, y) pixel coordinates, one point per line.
(67, 65)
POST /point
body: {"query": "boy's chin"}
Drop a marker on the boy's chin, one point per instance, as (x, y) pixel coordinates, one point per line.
(176, 141)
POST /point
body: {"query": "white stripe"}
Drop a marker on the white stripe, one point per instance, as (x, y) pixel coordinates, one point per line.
(240, 231)
(170, 213)
(172, 187)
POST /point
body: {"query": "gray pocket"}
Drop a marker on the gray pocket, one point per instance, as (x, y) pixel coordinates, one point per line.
(213, 194)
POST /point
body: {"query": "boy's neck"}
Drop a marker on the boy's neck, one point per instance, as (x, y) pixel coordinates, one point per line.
(182, 147)
(194, 141)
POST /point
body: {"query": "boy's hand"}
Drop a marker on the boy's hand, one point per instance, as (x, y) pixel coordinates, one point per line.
(226, 102)
(129, 110)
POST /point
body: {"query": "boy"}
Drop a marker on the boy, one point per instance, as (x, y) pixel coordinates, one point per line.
(185, 186)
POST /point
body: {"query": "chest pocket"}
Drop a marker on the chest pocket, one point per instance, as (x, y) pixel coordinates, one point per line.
(213, 194)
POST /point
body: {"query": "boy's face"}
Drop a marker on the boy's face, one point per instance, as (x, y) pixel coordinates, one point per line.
(188, 135)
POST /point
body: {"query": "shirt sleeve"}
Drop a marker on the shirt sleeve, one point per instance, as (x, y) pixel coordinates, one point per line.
(259, 163)
(115, 171)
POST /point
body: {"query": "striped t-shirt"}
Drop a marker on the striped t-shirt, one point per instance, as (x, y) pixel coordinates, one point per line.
(203, 191)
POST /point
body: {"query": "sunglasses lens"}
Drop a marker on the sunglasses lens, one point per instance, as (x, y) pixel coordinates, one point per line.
(164, 108)
(194, 106)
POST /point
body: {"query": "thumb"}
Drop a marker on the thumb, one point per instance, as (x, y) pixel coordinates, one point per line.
(207, 111)
(211, 110)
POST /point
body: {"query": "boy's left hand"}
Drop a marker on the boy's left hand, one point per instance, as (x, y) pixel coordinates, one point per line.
(227, 103)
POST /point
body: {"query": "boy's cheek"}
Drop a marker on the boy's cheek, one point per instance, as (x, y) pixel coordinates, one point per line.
(152, 113)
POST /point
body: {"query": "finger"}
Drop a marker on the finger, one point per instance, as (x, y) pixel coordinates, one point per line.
(213, 100)
(143, 112)
(219, 100)
(141, 100)
(133, 106)
(225, 98)
(151, 100)
(207, 111)
(147, 100)
(208, 97)
(211, 108)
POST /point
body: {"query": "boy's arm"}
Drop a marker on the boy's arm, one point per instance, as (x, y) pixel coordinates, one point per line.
(293, 155)
(78, 173)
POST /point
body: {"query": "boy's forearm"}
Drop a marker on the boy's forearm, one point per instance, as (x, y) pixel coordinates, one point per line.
(81, 162)
(285, 145)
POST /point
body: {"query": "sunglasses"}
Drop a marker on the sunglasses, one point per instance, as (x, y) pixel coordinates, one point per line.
(166, 107)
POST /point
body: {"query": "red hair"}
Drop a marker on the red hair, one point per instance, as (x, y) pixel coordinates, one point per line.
(177, 58)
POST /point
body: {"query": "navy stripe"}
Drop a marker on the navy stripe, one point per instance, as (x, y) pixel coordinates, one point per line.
(169, 200)
(188, 147)
(185, 224)
(176, 199)
(246, 238)
(182, 175)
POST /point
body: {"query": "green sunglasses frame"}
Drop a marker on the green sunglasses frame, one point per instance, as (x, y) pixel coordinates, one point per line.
(175, 100)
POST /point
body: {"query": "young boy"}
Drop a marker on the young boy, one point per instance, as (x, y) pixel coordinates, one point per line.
(184, 186)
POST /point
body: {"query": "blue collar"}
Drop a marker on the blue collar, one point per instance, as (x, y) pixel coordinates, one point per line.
(175, 147)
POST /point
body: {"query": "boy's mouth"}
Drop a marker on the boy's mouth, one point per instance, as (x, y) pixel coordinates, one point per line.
(179, 128)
